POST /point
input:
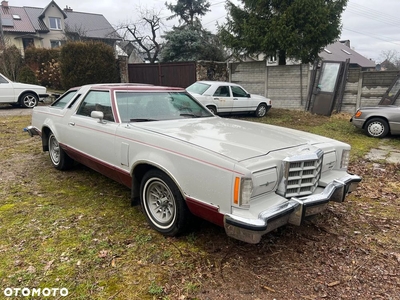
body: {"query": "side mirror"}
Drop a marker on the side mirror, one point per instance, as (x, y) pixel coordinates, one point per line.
(248, 96)
(97, 115)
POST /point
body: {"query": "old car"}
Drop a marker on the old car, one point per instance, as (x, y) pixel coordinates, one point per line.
(227, 97)
(181, 160)
(22, 94)
(378, 121)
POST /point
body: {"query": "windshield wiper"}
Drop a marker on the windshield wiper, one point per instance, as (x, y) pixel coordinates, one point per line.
(141, 120)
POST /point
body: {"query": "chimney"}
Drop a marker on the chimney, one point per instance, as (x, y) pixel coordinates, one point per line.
(68, 9)
(4, 3)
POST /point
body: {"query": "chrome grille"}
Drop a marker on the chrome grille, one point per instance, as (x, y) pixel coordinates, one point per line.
(301, 174)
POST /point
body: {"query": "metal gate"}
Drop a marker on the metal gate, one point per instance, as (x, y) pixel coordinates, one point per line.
(179, 74)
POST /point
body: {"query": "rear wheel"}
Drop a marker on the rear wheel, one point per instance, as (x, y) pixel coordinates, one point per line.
(212, 109)
(261, 110)
(163, 204)
(377, 127)
(29, 100)
(58, 157)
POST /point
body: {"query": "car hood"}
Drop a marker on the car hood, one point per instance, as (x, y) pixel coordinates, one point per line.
(236, 139)
(35, 87)
(258, 97)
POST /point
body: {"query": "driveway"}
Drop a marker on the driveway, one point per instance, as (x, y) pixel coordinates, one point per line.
(9, 110)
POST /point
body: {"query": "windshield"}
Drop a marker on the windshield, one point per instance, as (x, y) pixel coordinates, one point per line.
(156, 106)
(198, 88)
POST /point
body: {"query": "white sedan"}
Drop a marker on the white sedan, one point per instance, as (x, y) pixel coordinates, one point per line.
(25, 95)
(180, 160)
(226, 97)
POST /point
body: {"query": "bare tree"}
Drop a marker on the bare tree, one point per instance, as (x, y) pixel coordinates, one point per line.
(143, 34)
(75, 33)
(390, 60)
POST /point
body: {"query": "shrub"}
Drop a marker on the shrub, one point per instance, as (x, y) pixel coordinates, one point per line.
(27, 75)
(46, 65)
(10, 62)
(86, 63)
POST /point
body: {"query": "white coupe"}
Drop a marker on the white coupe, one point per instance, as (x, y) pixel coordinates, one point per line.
(22, 94)
(180, 160)
(227, 97)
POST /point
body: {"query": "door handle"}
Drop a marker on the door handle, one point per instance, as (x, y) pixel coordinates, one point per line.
(216, 98)
(235, 98)
(71, 124)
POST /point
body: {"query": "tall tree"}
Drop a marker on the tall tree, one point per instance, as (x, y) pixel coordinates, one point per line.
(188, 11)
(296, 29)
(143, 34)
(190, 41)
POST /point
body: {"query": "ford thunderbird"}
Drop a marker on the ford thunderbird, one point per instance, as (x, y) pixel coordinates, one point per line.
(180, 160)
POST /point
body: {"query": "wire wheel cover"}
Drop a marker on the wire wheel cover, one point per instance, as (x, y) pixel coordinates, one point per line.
(160, 203)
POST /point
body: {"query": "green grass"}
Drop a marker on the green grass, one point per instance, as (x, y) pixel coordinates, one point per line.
(77, 230)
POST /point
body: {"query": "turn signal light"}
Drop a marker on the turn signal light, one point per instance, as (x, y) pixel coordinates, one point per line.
(236, 191)
(358, 114)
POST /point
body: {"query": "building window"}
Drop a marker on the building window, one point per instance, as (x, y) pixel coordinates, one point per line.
(55, 23)
(55, 44)
(28, 42)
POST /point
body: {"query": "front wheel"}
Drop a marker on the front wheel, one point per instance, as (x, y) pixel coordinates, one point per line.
(163, 204)
(58, 157)
(377, 127)
(261, 110)
(29, 100)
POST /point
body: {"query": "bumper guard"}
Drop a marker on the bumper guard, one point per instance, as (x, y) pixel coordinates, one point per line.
(291, 212)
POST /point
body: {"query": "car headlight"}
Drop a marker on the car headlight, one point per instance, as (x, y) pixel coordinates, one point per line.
(243, 189)
(344, 162)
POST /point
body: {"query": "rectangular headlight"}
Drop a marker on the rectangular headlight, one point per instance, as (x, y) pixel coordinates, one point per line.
(246, 189)
(344, 162)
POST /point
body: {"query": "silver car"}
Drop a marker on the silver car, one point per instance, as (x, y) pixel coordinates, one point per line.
(378, 121)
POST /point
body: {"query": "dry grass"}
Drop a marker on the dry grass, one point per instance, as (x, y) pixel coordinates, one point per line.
(77, 230)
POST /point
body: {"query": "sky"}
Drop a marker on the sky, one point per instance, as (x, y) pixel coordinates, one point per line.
(371, 25)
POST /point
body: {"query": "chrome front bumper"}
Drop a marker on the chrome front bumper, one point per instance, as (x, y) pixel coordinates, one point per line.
(32, 131)
(291, 212)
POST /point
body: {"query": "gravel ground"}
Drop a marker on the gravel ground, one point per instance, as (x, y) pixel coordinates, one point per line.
(9, 110)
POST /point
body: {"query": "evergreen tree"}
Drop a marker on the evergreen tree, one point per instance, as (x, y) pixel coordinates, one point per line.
(296, 29)
(190, 41)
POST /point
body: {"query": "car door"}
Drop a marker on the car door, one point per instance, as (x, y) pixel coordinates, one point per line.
(222, 98)
(242, 100)
(6, 91)
(91, 137)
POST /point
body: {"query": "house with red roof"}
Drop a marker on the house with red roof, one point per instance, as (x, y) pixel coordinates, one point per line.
(51, 26)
